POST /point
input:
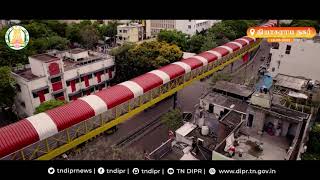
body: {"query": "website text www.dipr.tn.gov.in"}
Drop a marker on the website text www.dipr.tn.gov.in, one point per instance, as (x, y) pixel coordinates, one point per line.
(241, 171)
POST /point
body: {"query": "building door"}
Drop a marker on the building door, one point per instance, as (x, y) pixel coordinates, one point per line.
(211, 106)
(250, 120)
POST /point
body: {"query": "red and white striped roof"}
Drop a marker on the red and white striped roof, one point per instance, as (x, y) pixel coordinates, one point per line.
(32, 129)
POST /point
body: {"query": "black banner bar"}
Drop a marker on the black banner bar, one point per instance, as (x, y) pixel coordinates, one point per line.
(158, 168)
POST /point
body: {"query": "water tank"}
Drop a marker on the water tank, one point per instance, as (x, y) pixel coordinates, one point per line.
(200, 122)
(205, 130)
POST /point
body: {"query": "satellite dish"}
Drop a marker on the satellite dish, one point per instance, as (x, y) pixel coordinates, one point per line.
(232, 106)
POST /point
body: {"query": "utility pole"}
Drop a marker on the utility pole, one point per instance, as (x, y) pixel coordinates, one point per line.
(175, 99)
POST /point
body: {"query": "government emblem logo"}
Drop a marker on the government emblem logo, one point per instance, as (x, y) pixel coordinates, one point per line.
(17, 37)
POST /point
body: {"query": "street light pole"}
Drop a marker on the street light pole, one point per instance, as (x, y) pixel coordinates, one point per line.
(175, 100)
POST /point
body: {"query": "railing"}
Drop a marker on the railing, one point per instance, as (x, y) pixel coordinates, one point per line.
(90, 128)
(161, 150)
(291, 149)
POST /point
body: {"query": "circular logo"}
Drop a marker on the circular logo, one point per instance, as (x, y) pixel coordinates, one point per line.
(135, 171)
(51, 170)
(212, 171)
(170, 171)
(101, 170)
(17, 37)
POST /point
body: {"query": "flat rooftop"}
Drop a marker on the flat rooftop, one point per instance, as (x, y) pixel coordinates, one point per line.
(26, 74)
(274, 147)
(44, 57)
(233, 88)
(291, 82)
(226, 101)
(77, 50)
(70, 64)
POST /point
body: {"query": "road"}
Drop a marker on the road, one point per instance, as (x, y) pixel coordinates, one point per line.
(187, 99)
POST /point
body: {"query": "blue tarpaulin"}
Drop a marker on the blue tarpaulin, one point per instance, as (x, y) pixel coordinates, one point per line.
(264, 82)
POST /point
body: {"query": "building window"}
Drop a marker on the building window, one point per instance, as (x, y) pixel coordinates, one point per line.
(76, 81)
(288, 49)
(89, 77)
(35, 94)
(23, 104)
(120, 31)
(250, 120)
(273, 69)
(59, 95)
(189, 26)
(211, 107)
(56, 79)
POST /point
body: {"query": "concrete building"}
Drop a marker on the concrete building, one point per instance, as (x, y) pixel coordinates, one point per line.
(157, 25)
(232, 122)
(189, 27)
(64, 75)
(299, 58)
(133, 32)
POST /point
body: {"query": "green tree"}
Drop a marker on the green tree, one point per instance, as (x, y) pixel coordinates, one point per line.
(73, 32)
(209, 43)
(133, 60)
(109, 30)
(89, 36)
(41, 45)
(196, 42)
(57, 27)
(153, 54)
(38, 30)
(57, 42)
(7, 87)
(172, 119)
(305, 23)
(221, 30)
(313, 151)
(49, 105)
(125, 66)
(239, 27)
(174, 37)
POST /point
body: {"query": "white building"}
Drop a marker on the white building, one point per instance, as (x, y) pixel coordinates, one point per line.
(299, 58)
(133, 32)
(64, 75)
(189, 27)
